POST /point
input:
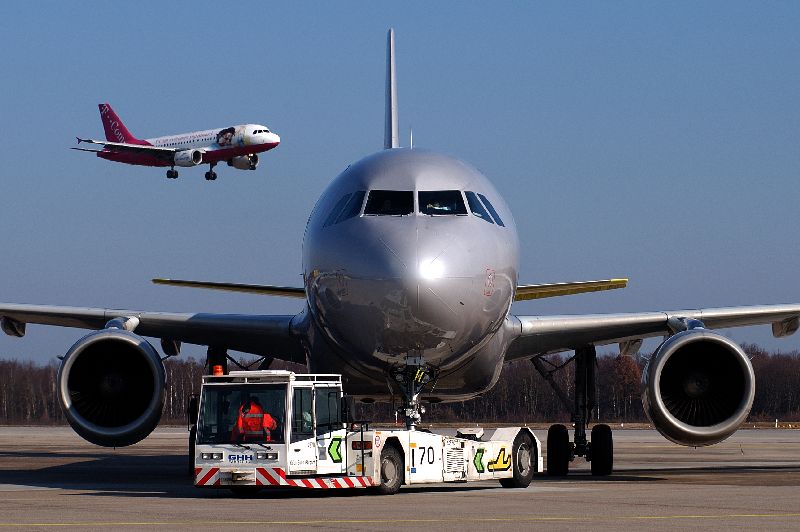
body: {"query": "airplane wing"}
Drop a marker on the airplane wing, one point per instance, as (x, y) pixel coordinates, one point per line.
(541, 335)
(259, 289)
(539, 291)
(257, 334)
(157, 151)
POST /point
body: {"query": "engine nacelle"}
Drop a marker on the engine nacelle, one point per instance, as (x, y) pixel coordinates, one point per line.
(245, 162)
(111, 387)
(698, 388)
(188, 158)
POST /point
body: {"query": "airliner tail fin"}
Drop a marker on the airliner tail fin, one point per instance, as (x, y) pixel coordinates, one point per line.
(115, 129)
(391, 138)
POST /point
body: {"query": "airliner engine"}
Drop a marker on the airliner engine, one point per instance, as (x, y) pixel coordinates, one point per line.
(111, 387)
(698, 387)
(188, 158)
(245, 162)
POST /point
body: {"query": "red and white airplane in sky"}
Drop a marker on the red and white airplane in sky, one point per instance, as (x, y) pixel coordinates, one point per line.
(238, 146)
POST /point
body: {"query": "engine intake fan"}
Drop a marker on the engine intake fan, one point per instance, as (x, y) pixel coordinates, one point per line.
(111, 387)
(698, 388)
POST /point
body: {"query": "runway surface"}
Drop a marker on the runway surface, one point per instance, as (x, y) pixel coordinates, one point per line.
(50, 478)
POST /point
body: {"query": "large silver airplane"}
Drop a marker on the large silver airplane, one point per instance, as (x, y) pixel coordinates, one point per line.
(410, 262)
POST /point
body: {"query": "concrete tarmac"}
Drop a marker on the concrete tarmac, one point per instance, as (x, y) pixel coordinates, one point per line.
(50, 478)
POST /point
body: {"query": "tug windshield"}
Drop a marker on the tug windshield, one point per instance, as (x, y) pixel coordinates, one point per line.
(242, 414)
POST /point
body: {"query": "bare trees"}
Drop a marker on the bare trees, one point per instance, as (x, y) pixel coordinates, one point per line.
(28, 392)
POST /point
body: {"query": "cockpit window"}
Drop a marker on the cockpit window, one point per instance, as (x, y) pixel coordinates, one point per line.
(353, 206)
(476, 207)
(441, 202)
(337, 209)
(390, 202)
(492, 210)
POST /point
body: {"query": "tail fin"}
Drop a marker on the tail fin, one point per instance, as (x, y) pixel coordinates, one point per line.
(391, 138)
(115, 129)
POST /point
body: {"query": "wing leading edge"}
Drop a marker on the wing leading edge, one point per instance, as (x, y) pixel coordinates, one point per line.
(276, 336)
(540, 335)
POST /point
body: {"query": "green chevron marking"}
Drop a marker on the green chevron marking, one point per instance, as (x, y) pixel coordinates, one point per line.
(334, 450)
(478, 461)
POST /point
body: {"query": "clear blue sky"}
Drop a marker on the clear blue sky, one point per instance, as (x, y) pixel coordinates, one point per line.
(658, 141)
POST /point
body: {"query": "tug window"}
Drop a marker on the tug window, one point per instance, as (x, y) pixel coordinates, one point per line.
(476, 207)
(441, 202)
(302, 420)
(390, 202)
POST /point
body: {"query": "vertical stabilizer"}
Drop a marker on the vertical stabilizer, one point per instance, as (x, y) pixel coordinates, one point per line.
(115, 129)
(391, 138)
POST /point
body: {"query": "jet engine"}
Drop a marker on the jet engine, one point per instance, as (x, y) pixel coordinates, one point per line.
(188, 158)
(698, 387)
(245, 162)
(111, 387)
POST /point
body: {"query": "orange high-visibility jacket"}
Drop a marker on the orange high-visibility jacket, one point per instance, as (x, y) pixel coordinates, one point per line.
(253, 424)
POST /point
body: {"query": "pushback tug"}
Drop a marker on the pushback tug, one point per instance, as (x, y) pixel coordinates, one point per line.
(310, 443)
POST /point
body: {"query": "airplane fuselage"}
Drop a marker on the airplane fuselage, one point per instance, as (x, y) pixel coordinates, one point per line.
(404, 257)
(216, 145)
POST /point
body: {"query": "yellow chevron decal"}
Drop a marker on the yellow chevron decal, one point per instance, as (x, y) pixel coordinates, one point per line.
(502, 462)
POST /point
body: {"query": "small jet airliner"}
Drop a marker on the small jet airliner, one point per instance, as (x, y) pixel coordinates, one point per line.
(239, 146)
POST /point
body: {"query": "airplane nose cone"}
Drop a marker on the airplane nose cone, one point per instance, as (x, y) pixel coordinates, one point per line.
(409, 288)
(273, 138)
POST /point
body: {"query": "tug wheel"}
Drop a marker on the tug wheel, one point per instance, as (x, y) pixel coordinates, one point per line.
(391, 471)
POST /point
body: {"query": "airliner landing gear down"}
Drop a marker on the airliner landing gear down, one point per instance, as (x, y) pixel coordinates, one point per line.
(172, 173)
(560, 451)
(413, 378)
(211, 175)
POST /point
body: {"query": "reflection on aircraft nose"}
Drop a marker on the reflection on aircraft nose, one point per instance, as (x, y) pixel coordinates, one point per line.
(431, 269)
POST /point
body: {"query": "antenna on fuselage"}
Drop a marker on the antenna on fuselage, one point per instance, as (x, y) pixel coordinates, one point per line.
(391, 138)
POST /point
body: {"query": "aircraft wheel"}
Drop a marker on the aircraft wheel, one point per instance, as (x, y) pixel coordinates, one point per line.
(558, 451)
(391, 471)
(523, 455)
(602, 448)
(172, 174)
(211, 176)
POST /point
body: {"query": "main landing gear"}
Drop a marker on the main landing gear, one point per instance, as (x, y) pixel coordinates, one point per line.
(211, 175)
(599, 451)
(172, 173)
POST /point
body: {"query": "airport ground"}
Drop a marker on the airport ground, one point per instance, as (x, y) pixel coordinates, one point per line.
(50, 478)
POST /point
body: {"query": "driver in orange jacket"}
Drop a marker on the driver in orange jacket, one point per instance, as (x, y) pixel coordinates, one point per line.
(253, 423)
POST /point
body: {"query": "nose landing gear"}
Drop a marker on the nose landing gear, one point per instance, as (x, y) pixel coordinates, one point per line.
(413, 377)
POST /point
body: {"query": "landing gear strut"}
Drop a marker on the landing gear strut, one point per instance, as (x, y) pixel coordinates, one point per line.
(413, 377)
(211, 175)
(172, 173)
(560, 451)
